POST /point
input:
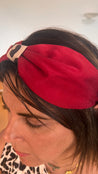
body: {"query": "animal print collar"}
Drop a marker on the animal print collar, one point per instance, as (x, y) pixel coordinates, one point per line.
(10, 163)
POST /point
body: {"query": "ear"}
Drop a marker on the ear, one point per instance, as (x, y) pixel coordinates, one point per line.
(96, 106)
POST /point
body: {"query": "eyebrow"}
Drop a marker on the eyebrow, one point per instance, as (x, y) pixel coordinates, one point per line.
(32, 115)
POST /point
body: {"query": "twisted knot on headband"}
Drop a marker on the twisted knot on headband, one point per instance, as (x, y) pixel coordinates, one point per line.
(57, 74)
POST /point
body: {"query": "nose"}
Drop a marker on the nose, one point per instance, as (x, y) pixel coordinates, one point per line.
(11, 132)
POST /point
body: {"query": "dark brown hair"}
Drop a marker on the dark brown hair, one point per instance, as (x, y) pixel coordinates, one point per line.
(83, 122)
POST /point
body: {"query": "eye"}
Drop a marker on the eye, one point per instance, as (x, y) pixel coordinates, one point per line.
(34, 123)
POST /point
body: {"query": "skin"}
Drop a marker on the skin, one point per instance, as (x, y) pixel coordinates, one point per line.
(51, 144)
(46, 144)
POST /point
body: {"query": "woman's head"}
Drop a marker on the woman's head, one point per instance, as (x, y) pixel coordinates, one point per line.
(77, 125)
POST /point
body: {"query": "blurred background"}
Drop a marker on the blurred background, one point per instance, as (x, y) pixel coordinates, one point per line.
(19, 18)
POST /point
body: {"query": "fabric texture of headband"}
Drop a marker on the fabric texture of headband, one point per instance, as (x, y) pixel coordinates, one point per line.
(58, 74)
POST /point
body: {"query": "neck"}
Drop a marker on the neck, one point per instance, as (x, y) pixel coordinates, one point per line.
(54, 169)
(62, 166)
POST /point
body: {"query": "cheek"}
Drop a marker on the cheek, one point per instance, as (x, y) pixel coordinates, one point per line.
(46, 148)
(51, 143)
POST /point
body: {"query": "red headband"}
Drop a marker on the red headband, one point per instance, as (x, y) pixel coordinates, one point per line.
(57, 74)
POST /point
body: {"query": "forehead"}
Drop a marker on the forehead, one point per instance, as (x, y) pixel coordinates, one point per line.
(14, 84)
(15, 104)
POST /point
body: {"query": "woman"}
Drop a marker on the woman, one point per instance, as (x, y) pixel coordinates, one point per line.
(50, 89)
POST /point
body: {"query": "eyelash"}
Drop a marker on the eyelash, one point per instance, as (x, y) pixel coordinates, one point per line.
(32, 125)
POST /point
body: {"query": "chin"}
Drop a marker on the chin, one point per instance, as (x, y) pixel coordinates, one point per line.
(30, 162)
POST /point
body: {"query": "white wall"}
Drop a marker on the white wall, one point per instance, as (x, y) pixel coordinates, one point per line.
(18, 18)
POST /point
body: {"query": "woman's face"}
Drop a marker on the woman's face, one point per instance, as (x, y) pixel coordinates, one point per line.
(43, 144)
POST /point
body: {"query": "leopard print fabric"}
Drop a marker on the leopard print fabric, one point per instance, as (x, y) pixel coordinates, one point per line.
(10, 163)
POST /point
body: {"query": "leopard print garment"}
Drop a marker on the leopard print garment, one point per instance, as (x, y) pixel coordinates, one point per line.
(10, 163)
